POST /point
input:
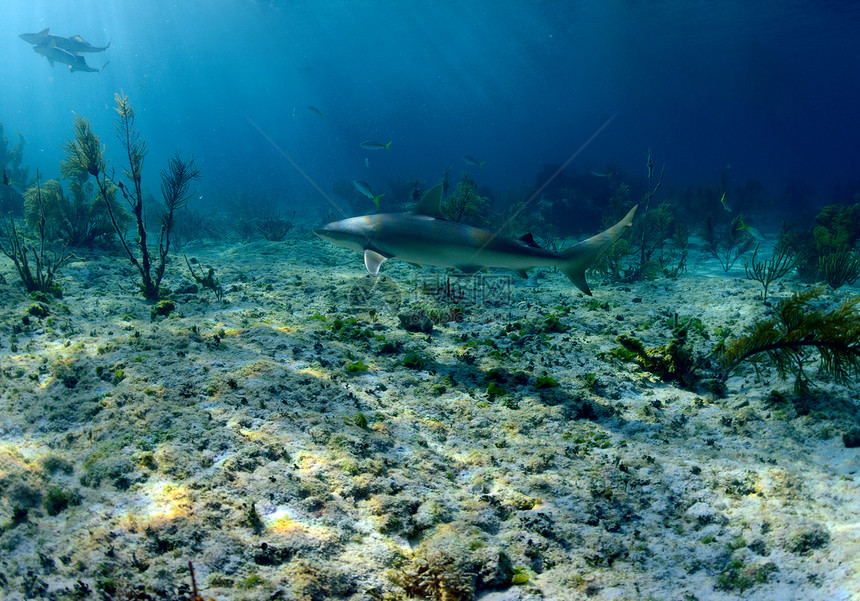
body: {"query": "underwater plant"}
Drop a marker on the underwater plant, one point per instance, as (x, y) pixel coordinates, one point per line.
(86, 215)
(45, 200)
(465, 203)
(664, 244)
(614, 264)
(671, 361)
(11, 158)
(797, 329)
(86, 152)
(766, 272)
(839, 267)
(208, 281)
(274, 227)
(726, 244)
(79, 220)
(837, 227)
(412, 189)
(649, 195)
(38, 276)
(826, 252)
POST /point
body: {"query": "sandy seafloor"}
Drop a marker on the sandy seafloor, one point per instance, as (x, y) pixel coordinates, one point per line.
(137, 445)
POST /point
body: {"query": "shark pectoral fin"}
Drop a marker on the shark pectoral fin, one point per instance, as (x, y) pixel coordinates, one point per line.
(522, 273)
(469, 269)
(529, 240)
(373, 260)
(418, 265)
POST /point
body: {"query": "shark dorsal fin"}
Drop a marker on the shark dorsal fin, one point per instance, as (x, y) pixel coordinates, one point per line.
(529, 240)
(45, 31)
(431, 203)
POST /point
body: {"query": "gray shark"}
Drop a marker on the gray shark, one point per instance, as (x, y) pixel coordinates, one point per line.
(423, 237)
(75, 62)
(75, 44)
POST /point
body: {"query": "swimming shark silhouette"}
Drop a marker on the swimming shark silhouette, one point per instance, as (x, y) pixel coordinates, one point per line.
(75, 44)
(75, 62)
(423, 237)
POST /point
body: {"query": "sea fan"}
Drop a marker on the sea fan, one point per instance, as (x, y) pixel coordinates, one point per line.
(797, 328)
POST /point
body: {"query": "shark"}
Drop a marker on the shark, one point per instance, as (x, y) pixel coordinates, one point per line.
(75, 62)
(75, 44)
(423, 237)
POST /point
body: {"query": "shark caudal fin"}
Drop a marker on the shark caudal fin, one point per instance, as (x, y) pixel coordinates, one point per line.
(581, 256)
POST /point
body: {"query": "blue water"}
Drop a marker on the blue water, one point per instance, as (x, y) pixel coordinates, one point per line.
(730, 89)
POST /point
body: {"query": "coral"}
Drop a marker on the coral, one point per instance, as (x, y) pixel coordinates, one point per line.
(85, 153)
(839, 267)
(465, 204)
(454, 566)
(48, 201)
(162, 309)
(57, 500)
(659, 225)
(806, 537)
(413, 360)
(85, 216)
(664, 243)
(726, 244)
(766, 272)
(10, 159)
(274, 227)
(851, 438)
(672, 361)
(837, 227)
(38, 276)
(826, 252)
(77, 221)
(412, 189)
(797, 328)
(209, 281)
(416, 322)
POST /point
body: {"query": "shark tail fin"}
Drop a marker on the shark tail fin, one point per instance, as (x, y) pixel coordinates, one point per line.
(583, 255)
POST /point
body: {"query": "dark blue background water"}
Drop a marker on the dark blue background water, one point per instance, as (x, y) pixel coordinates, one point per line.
(765, 90)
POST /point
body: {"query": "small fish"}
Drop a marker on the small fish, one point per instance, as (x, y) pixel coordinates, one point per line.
(316, 111)
(374, 145)
(472, 161)
(366, 190)
(367, 162)
(723, 202)
(743, 227)
(5, 178)
(598, 174)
